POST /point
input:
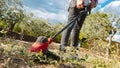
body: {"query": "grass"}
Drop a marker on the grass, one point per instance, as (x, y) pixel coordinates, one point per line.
(15, 54)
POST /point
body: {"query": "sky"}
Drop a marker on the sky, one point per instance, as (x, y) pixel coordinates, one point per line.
(55, 10)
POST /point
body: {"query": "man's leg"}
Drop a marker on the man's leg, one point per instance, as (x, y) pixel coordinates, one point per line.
(76, 31)
(66, 33)
(75, 36)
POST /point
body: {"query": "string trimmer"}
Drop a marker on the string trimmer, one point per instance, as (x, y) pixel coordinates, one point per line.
(42, 42)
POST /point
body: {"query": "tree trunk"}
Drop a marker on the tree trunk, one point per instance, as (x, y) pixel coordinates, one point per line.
(109, 44)
(11, 26)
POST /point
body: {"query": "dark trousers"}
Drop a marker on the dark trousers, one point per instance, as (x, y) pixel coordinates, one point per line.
(73, 29)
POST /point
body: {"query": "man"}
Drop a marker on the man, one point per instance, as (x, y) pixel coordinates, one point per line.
(75, 6)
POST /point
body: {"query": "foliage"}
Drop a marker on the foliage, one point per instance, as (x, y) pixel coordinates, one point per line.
(41, 27)
(2, 24)
(11, 12)
(34, 27)
(97, 26)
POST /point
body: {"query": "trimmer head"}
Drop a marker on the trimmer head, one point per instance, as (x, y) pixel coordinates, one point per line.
(41, 44)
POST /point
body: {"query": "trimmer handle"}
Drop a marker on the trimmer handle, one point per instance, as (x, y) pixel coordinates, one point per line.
(72, 22)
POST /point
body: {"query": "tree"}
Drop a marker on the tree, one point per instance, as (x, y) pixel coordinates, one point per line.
(34, 26)
(11, 12)
(99, 29)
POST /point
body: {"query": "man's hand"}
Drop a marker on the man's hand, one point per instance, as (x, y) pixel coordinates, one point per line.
(93, 4)
(80, 4)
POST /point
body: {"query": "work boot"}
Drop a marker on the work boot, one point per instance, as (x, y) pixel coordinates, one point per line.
(62, 48)
(64, 52)
(75, 50)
